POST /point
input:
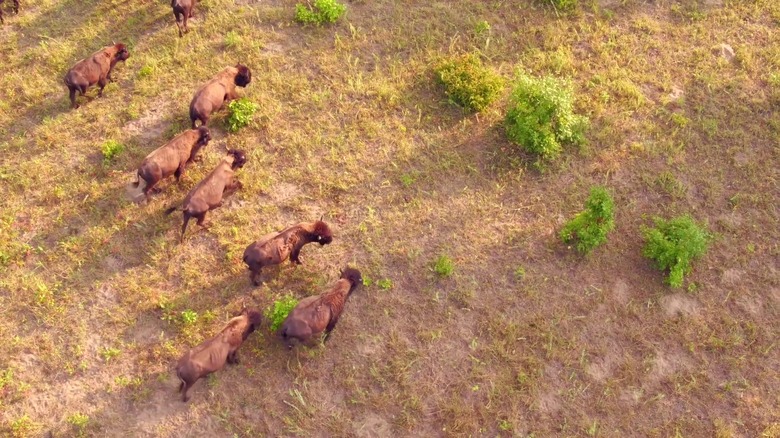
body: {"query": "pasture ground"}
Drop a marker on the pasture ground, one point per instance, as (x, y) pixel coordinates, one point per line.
(525, 338)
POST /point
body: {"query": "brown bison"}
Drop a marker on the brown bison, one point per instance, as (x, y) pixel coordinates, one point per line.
(211, 355)
(208, 194)
(182, 11)
(171, 158)
(217, 91)
(313, 315)
(15, 9)
(94, 70)
(274, 248)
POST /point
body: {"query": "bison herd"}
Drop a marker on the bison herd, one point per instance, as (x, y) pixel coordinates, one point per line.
(314, 315)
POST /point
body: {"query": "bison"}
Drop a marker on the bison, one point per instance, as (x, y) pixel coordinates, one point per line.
(313, 315)
(207, 194)
(171, 158)
(274, 248)
(211, 355)
(217, 91)
(94, 70)
(182, 11)
(15, 9)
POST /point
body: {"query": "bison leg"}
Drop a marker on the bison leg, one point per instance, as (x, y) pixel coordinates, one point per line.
(102, 84)
(254, 276)
(72, 96)
(1, 17)
(148, 190)
(179, 172)
(184, 388)
(176, 16)
(202, 221)
(16, 6)
(233, 358)
(186, 17)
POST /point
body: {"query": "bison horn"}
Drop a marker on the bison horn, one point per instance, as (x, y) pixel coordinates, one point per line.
(322, 217)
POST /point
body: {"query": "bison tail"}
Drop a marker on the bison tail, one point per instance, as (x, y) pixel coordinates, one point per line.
(171, 210)
(138, 179)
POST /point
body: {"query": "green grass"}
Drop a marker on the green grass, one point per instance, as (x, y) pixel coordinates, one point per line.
(240, 114)
(352, 125)
(443, 266)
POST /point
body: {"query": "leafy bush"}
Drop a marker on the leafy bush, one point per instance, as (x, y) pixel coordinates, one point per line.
(110, 150)
(541, 116)
(240, 114)
(278, 313)
(468, 83)
(321, 11)
(591, 226)
(674, 244)
(444, 266)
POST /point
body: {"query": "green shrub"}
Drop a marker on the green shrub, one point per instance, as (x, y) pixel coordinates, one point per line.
(541, 116)
(674, 244)
(240, 113)
(591, 226)
(319, 12)
(444, 266)
(110, 150)
(278, 313)
(468, 83)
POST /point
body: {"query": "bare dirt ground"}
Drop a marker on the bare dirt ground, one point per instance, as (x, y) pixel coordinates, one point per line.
(525, 338)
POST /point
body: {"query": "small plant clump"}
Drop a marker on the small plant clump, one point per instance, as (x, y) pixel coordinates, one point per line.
(241, 112)
(562, 5)
(278, 313)
(673, 244)
(319, 12)
(591, 226)
(189, 316)
(110, 150)
(468, 82)
(541, 116)
(444, 266)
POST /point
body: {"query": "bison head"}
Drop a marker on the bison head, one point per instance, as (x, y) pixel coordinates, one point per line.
(239, 158)
(323, 233)
(353, 276)
(204, 135)
(121, 52)
(244, 75)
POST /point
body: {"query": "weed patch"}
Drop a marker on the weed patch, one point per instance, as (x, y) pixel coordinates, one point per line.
(241, 112)
(279, 311)
(110, 150)
(673, 244)
(591, 226)
(319, 12)
(444, 266)
(541, 116)
(468, 83)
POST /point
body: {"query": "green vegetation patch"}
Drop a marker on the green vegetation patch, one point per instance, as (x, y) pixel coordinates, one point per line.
(541, 116)
(279, 311)
(319, 12)
(591, 226)
(468, 82)
(673, 244)
(240, 114)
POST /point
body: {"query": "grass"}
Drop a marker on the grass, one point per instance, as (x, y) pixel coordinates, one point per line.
(353, 126)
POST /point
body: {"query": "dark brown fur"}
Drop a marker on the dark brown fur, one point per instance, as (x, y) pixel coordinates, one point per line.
(211, 355)
(274, 248)
(172, 158)
(219, 90)
(95, 69)
(317, 314)
(15, 9)
(182, 12)
(208, 194)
